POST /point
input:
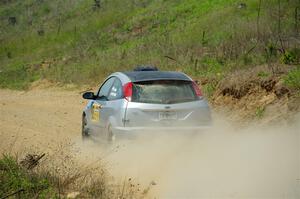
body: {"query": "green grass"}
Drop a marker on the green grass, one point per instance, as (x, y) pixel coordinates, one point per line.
(292, 79)
(259, 112)
(206, 37)
(50, 178)
(263, 74)
(20, 183)
(209, 89)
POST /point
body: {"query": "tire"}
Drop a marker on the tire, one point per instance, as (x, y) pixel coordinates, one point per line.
(84, 131)
(110, 135)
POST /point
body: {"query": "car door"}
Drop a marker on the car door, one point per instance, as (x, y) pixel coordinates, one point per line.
(115, 106)
(98, 112)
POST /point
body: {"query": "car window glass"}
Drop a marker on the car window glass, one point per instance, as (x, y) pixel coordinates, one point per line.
(163, 92)
(116, 90)
(106, 87)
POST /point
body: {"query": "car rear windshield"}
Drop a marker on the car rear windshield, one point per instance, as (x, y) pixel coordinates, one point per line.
(163, 92)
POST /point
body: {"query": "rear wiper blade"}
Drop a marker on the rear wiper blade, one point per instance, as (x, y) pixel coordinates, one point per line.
(170, 101)
(177, 101)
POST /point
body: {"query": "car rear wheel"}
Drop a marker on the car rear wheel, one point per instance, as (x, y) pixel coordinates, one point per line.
(84, 131)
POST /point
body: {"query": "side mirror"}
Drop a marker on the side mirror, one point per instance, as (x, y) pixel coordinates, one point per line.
(88, 95)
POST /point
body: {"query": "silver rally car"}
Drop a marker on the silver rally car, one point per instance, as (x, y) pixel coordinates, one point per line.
(145, 100)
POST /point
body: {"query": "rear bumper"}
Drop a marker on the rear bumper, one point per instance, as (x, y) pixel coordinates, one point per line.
(134, 132)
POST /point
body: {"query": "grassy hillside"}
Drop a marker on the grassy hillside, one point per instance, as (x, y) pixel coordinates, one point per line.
(81, 41)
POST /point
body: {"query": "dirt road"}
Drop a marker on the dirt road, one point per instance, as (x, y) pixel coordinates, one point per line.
(38, 118)
(226, 162)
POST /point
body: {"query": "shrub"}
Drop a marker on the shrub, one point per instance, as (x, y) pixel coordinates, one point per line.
(292, 79)
(289, 57)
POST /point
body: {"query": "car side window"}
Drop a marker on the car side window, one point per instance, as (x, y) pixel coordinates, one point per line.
(105, 88)
(116, 90)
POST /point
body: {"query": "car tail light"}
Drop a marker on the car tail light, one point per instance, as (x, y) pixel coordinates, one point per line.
(127, 90)
(197, 89)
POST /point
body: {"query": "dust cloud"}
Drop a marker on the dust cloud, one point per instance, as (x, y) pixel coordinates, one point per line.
(226, 161)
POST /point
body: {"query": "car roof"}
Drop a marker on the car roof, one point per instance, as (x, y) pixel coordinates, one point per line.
(137, 76)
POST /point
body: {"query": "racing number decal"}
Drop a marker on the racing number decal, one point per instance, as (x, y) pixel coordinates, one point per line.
(96, 112)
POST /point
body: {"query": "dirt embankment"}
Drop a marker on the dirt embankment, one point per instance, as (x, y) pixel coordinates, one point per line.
(257, 94)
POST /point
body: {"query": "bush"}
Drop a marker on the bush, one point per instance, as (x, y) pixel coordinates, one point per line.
(289, 57)
(292, 79)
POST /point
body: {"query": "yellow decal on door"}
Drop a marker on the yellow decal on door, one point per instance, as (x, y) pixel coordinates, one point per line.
(95, 113)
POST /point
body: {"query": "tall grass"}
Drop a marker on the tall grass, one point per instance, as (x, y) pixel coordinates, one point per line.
(60, 176)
